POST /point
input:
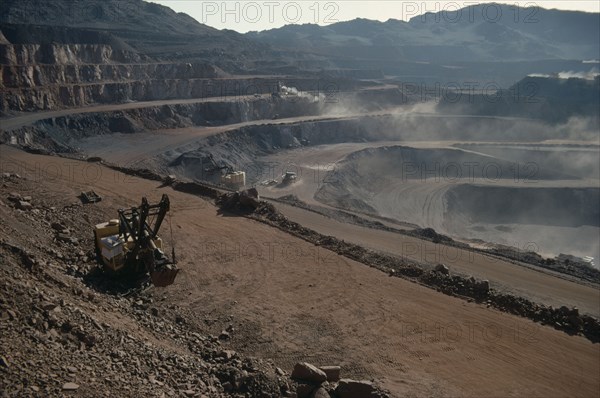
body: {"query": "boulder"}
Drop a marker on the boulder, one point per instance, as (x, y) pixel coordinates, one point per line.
(63, 237)
(320, 393)
(58, 226)
(70, 386)
(249, 201)
(575, 322)
(348, 388)
(484, 286)
(14, 197)
(305, 390)
(22, 205)
(306, 372)
(441, 268)
(48, 306)
(332, 372)
(170, 179)
(227, 354)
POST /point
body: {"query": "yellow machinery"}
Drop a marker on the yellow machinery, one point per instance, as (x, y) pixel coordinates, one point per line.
(130, 245)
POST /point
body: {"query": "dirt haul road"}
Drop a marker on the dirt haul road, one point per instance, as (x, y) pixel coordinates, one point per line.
(541, 286)
(13, 122)
(127, 149)
(295, 301)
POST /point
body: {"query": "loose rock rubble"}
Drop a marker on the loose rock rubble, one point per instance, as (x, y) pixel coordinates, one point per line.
(247, 200)
(442, 268)
(68, 330)
(324, 382)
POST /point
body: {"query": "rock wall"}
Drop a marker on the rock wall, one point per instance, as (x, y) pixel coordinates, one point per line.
(61, 54)
(36, 77)
(41, 77)
(51, 97)
(61, 134)
(46, 77)
(27, 76)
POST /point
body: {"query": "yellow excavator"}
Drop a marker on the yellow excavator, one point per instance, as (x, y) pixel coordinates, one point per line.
(130, 246)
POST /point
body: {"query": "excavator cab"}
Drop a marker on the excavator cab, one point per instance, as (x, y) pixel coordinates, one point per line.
(130, 245)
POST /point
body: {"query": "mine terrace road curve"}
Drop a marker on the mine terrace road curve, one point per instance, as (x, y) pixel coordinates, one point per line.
(13, 122)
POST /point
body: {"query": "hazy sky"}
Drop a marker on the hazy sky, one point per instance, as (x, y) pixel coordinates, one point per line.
(245, 15)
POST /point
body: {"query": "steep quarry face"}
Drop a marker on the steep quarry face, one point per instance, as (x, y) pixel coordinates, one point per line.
(36, 77)
(50, 68)
(43, 77)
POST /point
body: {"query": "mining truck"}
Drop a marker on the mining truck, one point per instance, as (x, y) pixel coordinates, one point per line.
(289, 178)
(129, 247)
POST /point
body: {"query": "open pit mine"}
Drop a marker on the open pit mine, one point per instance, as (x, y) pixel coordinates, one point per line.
(304, 211)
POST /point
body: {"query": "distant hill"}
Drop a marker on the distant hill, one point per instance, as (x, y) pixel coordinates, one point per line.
(440, 44)
(536, 34)
(431, 48)
(551, 99)
(149, 28)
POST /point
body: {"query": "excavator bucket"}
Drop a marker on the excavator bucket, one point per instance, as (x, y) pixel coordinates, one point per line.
(163, 277)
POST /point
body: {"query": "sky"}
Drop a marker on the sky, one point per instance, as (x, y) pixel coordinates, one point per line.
(257, 15)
